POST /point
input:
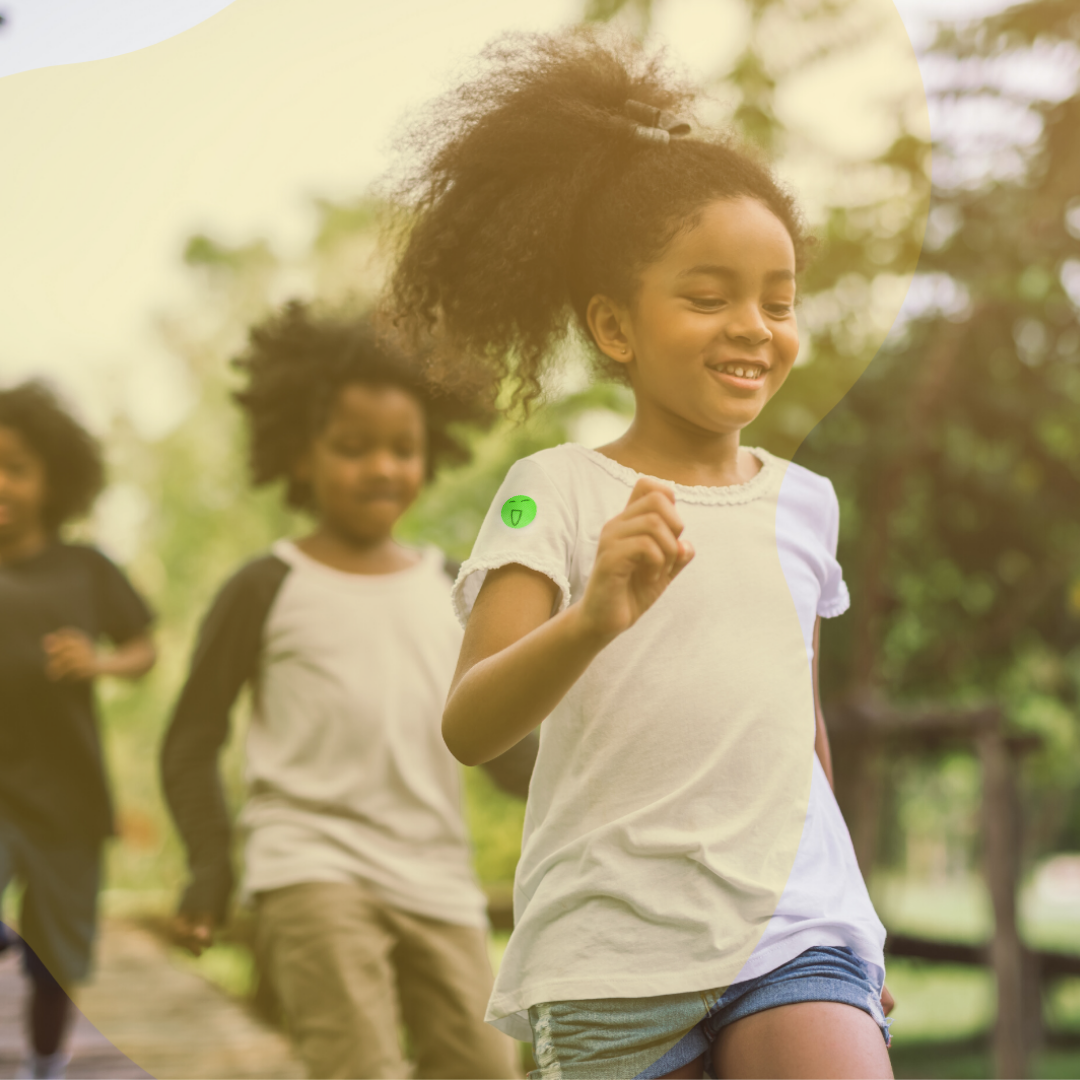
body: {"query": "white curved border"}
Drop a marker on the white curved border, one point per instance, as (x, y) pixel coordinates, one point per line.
(45, 33)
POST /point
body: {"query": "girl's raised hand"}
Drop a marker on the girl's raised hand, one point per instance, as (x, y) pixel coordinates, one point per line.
(639, 555)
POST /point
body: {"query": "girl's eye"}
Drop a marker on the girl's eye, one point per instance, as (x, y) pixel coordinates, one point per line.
(780, 310)
(707, 303)
(406, 451)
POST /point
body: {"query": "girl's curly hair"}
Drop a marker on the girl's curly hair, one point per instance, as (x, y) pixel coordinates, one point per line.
(296, 363)
(74, 473)
(532, 192)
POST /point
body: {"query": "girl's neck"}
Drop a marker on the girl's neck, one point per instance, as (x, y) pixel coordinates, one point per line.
(24, 546)
(381, 555)
(683, 455)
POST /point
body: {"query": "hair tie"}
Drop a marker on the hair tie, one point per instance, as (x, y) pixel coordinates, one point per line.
(654, 125)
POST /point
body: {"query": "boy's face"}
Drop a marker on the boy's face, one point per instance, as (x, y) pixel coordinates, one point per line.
(367, 464)
(22, 486)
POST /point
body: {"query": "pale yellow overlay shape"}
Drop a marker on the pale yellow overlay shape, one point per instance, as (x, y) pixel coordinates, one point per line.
(90, 168)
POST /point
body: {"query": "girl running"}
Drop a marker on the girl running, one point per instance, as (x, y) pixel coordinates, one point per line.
(687, 898)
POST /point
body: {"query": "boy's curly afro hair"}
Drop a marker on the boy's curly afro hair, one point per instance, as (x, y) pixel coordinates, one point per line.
(74, 473)
(529, 189)
(297, 361)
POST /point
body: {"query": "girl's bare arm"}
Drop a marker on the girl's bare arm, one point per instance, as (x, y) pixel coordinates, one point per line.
(517, 661)
(821, 740)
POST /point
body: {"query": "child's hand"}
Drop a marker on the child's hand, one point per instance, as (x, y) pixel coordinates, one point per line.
(887, 1001)
(639, 555)
(70, 656)
(194, 933)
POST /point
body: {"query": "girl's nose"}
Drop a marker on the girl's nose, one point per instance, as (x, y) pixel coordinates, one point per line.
(747, 325)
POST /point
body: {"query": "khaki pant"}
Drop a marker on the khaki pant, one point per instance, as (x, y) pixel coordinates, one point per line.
(349, 970)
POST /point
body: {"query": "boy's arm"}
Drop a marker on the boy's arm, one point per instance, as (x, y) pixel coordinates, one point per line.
(226, 657)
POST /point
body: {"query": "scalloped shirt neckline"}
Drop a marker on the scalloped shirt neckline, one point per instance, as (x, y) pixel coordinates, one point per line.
(729, 494)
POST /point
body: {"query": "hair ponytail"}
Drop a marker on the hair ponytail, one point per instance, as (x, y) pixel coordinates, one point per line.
(541, 182)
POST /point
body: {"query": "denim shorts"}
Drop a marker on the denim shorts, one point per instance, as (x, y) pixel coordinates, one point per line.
(618, 1038)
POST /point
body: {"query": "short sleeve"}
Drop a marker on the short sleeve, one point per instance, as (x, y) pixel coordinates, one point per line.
(122, 612)
(834, 599)
(528, 523)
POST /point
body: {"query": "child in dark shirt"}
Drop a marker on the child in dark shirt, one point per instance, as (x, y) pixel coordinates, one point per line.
(356, 855)
(57, 601)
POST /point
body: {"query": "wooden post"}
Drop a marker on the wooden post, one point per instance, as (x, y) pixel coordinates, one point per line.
(1001, 863)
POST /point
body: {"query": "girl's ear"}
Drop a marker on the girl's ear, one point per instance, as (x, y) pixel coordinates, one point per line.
(607, 323)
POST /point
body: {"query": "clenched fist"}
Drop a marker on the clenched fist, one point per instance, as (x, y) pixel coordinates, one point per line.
(639, 555)
(70, 656)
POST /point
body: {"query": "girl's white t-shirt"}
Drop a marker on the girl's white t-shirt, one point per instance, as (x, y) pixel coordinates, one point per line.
(680, 833)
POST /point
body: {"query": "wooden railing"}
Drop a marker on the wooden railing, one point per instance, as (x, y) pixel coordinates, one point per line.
(862, 733)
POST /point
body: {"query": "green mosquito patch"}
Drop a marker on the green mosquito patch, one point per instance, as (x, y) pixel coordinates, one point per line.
(518, 511)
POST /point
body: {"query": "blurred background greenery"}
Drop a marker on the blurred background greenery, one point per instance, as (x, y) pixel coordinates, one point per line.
(955, 452)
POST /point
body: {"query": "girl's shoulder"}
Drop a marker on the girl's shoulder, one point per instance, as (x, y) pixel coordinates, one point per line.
(556, 461)
(807, 501)
(798, 478)
(562, 474)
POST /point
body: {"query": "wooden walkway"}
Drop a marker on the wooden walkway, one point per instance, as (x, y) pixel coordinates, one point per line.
(143, 1017)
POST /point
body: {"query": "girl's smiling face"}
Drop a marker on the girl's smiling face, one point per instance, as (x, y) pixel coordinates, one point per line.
(711, 334)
